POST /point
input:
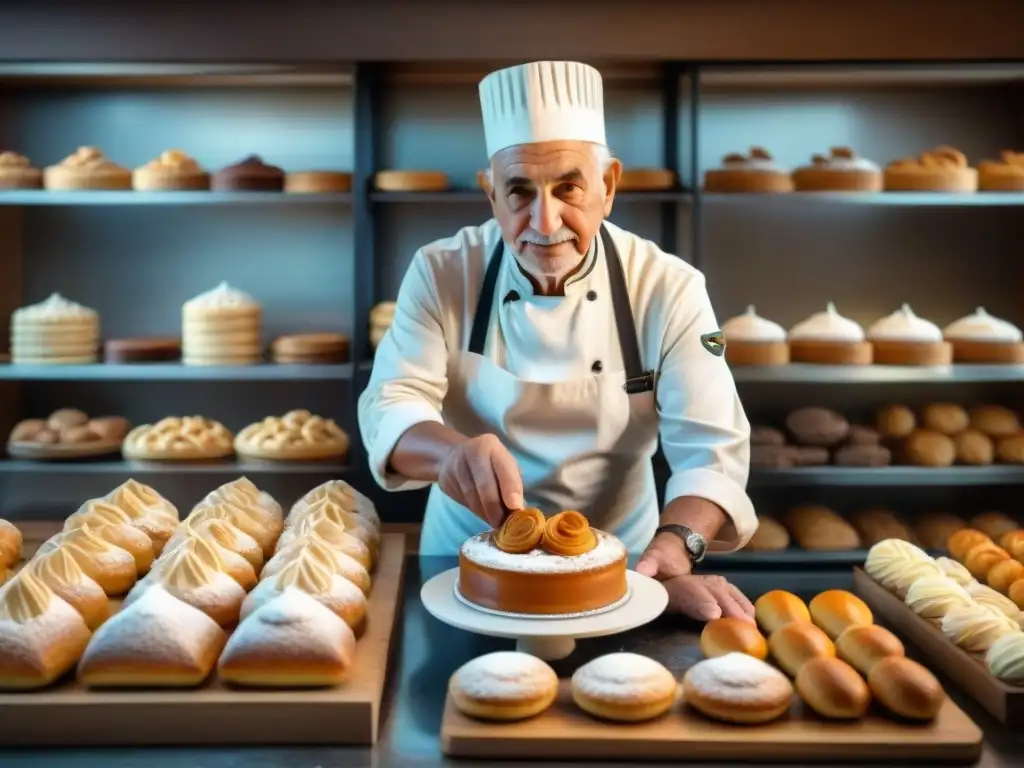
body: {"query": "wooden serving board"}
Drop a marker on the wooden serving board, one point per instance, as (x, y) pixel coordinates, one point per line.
(69, 715)
(1003, 701)
(566, 732)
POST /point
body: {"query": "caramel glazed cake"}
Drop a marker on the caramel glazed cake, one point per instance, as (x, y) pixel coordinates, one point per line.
(541, 567)
(221, 327)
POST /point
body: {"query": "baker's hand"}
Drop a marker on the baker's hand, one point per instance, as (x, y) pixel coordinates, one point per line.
(482, 475)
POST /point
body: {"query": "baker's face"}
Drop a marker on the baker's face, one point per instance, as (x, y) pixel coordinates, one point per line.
(550, 200)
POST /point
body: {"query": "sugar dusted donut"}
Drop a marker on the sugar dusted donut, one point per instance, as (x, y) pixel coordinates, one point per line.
(626, 687)
(505, 685)
(737, 688)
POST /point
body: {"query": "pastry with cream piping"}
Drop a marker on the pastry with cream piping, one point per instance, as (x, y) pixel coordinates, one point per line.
(329, 509)
(242, 554)
(955, 571)
(110, 566)
(295, 436)
(292, 641)
(59, 571)
(838, 171)
(753, 340)
(737, 688)
(975, 628)
(221, 326)
(982, 338)
(172, 171)
(10, 545)
(41, 635)
(87, 168)
(986, 597)
(54, 332)
(342, 493)
(932, 597)
(756, 172)
(829, 338)
(942, 169)
(250, 174)
(246, 518)
(381, 317)
(16, 172)
(326, 552)
(184, 438)
(317, 182)
(624, 687)
(150, 512)
(903, 338)
(1005, 659)
(156, 642)
(1003, 175)
(111, 524)
(503, 686)
(243, 492)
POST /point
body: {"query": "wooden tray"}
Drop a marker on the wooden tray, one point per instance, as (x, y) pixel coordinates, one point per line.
(70, 715)
(565, 732)
(1004, 702)
(61, 452)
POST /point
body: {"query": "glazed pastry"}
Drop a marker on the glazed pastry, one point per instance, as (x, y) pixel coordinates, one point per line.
(221, 326)
(113, 568)
(646, 180)
(250, 174)
(770, 536)
(945, 418)
(864, 645)
(150, 512)
(732, 635)
(298, 435)
(244, 493)
(820, 529)
(995, 420)
(829, 338)
(1011, 541)
(980, 559)
(833, 689)
(955, 571)
(111, 524)
(964, 540)
(10, 545)
(1001, 575)
(895, 422)
(862, 456)
(906, 688)
(351, 558)
(942, 169)
(310, 348)
(982, 338)
(1003, 175)
(56, 331)
(993, 524)
(817, 426)
(342, 493)
(903, 338)
(156, 642)
(934, 596)
(737, 688)
(839, 171)
(974, 448)
(40, 634)
(888, 561)
(522, 531)
(975, 628)
(624, 687)
(1005, 659)
(505, 685)
(62, 574)
(290, 642)
(928, 448)
(796, 643)
(875, 525)
(156, 349)
(317, 182)
(987, 597)
(411, 181)
(1010, 450)
(754, 173)
(836, 610)
(777, 608)
(241, 553)
(326, 508)
(16, 172)
(172, 171)
(243, 517)
(753, 340)
(87, 168)
(381, 317)
(179, 438)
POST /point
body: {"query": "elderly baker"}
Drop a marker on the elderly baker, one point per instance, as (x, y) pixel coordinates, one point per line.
(536, 359)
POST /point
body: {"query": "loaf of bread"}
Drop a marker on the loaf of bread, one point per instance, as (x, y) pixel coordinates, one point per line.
(819, 528)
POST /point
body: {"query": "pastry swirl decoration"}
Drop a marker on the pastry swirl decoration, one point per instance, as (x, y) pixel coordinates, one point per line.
(568, 533)
(521, 532)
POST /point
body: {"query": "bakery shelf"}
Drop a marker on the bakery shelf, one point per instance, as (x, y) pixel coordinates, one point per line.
(889, 476)
(793, 557)
(478, 196)
(141, 468)
(37, 197)
(918, 199)
(797, 373)
(174, 372)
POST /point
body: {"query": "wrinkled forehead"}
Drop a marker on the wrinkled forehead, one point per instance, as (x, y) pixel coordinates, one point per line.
(546, 162)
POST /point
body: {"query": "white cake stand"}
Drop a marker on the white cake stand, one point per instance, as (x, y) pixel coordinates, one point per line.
(545, 638)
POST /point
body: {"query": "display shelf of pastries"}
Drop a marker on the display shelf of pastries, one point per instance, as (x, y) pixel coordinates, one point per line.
(323, 348)
(943, 169)
(296, 436)
(16, 172)
(221, 326)
(175, 371)
(87, 169)
(66, 434)
(754, 172)
(317, 182)
(841, 170)
(751, 340)
(143, 467)
(1003, 175)
(131, 610)
(877, 374)
(829, 338)
(56, 331)
(982, 338)
(903, 338)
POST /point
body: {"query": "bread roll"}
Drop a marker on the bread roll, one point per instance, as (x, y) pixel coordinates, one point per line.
(737, 688)
(1010, 450)
(762, 435)
(818, 528)
(963, 540)
(945, 418)
(833, 689)
(933, 597)
(10, 545)
(624, 687)
(1013, 542)
(1001, 575)
(928, 448)
(895, 422)
(732, 635)
(796, 643)
(1016, 593)
(864, 645)
(834, 610)
(505, 685)
(290, 642)
(777, 608)
(994, 420)
(875, 525)
(974, 448)
(933, 529)
(59, 571)
(770, 536)
(980, 559)
(817, 426)
(993, 524)
(906, 688)
(1005, 659)
(107, 564)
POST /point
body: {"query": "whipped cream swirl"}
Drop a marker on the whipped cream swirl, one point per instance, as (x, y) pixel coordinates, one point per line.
(750, 327)
(904, 325)
(981, 326)
(827, 326)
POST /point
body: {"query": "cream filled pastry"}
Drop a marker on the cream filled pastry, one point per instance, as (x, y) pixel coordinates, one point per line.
(246, 518)
(624, 687)
(341, 493)
(10, 544)
(244, 493)
(232, 544)
(313, 544)
(110, 566)
(1005, 659)
(982, 338)
(503, 686)
(934, 596)
(838, 171)
(172, 171)
(755, 172)
(754, 340)
(903, 338)
(41, 636)
(829, 338)
(329, 533)
(150, 512)
(87, 168)
(59, 571)
(56, 331)
(111, 524)
(221, 326)
(888, 559)
(988, 598)
(16, 172)
(326, 509)
(956, 571)
(975, 628)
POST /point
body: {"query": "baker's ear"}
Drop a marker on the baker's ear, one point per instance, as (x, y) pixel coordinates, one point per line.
(485, 184)
(611, 178)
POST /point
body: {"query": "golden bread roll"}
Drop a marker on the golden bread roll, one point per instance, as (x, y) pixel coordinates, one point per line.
(864, 645)
(505, 685)
(935, 596)
(796, 643)
(834, 610)
(875, 525)
(929, 448)
(1001, 575)
(1005, 659)
(963, 540)
(1016, 593)
(1013, 542)
(955, 571)
(975, 628)
(777, 608)
(833, 689)
(980, 559)
(737, 688)
(993, 524)
(933, 529)
(10, 545)
(290, 642)
(770, 536)
(732, 635)
(945, 418)
(818, 528)
(906, 688)
(59, 571)
(987, 597)
(895, 421)
(974, 448)
(624, 687)
(1010, 450)
(994, 420)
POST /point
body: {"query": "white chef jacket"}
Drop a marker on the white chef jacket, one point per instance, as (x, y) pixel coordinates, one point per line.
(703, 429)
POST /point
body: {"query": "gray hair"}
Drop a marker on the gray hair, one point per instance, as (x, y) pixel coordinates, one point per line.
(602, 154)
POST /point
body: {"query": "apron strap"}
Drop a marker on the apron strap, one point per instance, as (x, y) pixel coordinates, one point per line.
(482, 318)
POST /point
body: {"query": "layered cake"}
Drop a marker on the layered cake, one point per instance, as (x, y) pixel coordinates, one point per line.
(87, 168)
(1003, 175)
(221, 327)
(903, 338)
(839, 171)
(942, 169)
(543, 567)
(249, 175)
(53, 332)
(173, 170)
(756, 172)
(16, 172)
(753, 340)
(829, 338)
(982, 338)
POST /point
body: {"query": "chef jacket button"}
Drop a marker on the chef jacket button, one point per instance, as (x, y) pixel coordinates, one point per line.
(591, 295)
(596, 367)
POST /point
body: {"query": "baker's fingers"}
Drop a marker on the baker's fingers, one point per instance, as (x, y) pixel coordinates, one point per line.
(492, 509)
(695, 600)
(510, 482)
(726, 601)
(742, 600)
(668, 555)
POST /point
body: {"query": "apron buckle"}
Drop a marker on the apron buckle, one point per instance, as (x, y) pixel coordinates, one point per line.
(638, 384)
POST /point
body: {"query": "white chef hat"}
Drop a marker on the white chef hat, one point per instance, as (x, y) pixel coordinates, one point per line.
(542, 101)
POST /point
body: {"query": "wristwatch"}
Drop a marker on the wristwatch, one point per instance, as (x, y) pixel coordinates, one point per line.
(695, 544)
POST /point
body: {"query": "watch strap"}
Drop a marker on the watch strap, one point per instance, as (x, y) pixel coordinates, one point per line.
(684, 534)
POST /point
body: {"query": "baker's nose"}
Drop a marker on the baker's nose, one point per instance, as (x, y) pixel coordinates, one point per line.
(545, 215)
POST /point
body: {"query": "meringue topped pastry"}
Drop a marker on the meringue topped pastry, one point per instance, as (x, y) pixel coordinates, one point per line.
(755, 172)
(982, 338)
(839, 171)
(754, 340)
(903, 338)
(829, 338)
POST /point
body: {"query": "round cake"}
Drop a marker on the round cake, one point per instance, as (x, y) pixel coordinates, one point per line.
(543, 567)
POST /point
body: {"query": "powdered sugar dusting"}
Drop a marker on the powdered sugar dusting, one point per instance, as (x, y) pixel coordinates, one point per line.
(35, 644)
(339, 595)
(481, 550)
(504, 675)
(623, 677)
(737, 677)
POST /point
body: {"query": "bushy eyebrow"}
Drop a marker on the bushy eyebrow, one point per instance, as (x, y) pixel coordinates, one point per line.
(573, 175)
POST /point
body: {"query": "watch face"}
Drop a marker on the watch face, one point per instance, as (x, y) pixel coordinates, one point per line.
(695, 543)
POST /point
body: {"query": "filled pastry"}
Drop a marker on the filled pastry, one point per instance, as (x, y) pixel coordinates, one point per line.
(184, 438)
(10, 545)
(756, 172)
(221, 326)
(241, 553)
(942, 169)
(87, 168)
(342, 493)
(16, 172)
(839, 171)
(150, 512)
(111, 524)
(503, 686)
(624, 687)
(328, 509)
(250, 174)
(56, 331)
(172, 171)
(298, 435)
(59, 571)
(753, 340)
(982, 338)
(1003, 175)
(829, 338)
(737, 688)
(243, 492)
(113, 568)
(903, 338)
